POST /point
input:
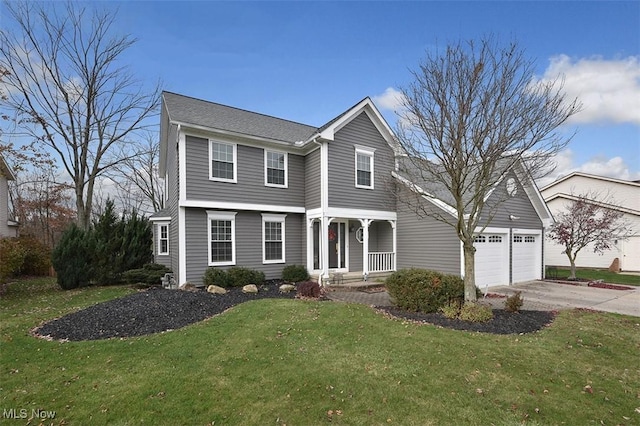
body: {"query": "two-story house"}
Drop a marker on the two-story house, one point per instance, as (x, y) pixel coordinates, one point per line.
(8, 227)
(251, 190)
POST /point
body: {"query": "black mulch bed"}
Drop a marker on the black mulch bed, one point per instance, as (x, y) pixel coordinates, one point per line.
(147, 312)
(157, 310)
(503, 322)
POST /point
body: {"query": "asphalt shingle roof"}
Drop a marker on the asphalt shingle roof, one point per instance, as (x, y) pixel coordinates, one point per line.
(189, 110)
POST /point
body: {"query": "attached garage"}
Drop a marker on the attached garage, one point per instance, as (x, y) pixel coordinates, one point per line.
(492, 258)
(499, 263)
(526, 256)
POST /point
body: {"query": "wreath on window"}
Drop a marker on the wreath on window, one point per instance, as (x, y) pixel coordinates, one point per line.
(332, 235)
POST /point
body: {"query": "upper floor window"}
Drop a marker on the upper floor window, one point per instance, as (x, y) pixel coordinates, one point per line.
(222, 238)
(163, 238)
(223, 161)
(275, 168)
(364, 167)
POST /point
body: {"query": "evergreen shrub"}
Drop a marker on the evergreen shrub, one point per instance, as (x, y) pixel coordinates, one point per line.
(73, 257)
(295, 273)
(151, 274)
(424, 290)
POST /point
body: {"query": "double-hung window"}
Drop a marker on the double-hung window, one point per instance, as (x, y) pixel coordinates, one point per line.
(222, 238)
(223, 161)
(163, 238)
(273, 238)
(364, 167)
(275, 169)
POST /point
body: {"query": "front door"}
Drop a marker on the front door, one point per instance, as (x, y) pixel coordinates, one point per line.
(337, 239)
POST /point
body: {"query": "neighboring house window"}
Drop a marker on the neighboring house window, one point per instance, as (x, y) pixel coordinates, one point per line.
(222, 238)
(163, 238)
(275, 165)
(223, 161)
(364, 167)
(273, 238)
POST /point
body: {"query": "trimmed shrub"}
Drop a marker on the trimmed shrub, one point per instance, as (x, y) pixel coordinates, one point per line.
(151, 273)
(424, 290)
(514, 302)
(12, 255)
(475, 312)
(243, 276)
(295, 273)
(309, 289)
(451, 310)
(37, 260)
(216, 276)
(72, 258)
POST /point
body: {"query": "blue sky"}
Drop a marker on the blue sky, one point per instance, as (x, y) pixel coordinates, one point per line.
(310, 61)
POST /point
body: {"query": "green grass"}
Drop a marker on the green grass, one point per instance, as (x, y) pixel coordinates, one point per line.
(601, 274)
(300, 363)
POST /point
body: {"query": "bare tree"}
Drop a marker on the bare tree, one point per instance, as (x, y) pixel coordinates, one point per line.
(473, 114)
(589, 220)
(67, 84)
(42, 206)
(139, 185)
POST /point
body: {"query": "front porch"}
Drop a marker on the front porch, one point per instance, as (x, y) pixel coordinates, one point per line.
(356, 248)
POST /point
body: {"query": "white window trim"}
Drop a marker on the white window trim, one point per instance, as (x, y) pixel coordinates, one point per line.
(217, 215)
(269, 217)
(369, 152)
(286, 169)
(235, 162)
(159, 225)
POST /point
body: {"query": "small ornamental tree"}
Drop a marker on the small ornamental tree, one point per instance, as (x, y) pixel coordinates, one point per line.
(588, 222)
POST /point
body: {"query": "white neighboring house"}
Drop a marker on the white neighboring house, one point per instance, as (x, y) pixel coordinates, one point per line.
(626, 197)
(8, 227)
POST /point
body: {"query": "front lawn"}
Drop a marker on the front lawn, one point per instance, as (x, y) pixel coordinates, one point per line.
(300, 362)
(600, 274)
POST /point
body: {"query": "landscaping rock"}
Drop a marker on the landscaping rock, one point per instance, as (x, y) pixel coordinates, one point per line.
(188, 287)
(251, 288)
(214, 289)
(286, 288)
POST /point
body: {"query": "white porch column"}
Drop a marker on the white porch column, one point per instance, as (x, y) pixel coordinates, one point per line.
(324, 248)
(310, 244)
(395, 245)
(365, 247)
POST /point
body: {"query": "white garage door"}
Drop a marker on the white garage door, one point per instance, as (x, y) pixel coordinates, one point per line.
(526, 253)
(491, 259)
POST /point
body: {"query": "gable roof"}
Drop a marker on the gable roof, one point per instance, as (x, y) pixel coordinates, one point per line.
(5, 170)
(179, 110)
(590, 176)
(191, 111)
(436, 192)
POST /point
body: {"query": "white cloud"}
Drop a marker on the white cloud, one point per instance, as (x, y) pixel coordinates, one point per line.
(614, 167)
(609, 90)
(390, 99)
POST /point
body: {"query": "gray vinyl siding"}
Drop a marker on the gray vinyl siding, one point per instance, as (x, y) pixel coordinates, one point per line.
(248, 231)
(250, 186)
(519, 206)
(426, 243)
(342, 190)
(173, 187)
(312, 180)
(355, 248)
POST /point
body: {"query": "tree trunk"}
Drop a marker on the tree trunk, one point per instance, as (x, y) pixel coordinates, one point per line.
(469, 272)
(572, 275)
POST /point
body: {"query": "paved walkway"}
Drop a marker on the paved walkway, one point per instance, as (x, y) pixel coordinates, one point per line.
(537, 295)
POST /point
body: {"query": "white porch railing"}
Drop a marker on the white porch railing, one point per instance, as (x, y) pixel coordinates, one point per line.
(382, 262)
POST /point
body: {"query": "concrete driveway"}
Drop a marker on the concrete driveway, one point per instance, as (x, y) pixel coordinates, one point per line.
(542, 294)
